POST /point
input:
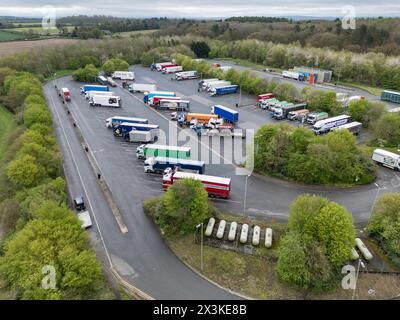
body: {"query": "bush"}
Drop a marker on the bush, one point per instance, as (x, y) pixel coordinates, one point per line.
(112, 65)
(9, 215)
(388, 129)
(366, 112)
(87, 74)
(37, 114)
(200, 48)
(25, 172)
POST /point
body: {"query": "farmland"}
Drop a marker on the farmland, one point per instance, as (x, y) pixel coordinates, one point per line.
(21, 46)
(10, 36)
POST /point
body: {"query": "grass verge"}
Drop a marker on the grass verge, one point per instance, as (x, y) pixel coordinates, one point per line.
(60, 74)
(246, 63)
(372, 90)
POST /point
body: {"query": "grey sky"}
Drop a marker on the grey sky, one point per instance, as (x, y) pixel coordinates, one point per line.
(199, 8)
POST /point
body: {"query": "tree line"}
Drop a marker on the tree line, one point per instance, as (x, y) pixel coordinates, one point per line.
(39, 230)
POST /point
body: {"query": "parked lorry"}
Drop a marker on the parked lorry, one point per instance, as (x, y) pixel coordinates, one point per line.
(389, 95)
(142, 87)
(226, 113)
(224, 130)
(265, 104)
(282, 112)
(164, 165)
(313, 117)
(293, 75)
(161, 68)
(265, 96)
(65, 94)
(113, 121)
(215, 186)
(154, 101)
(219, 91)
(324, 126)
(169, 104)
(86, 221)
(194, 118)
(93, 87)
(123, 75)
(148, 95)
(123, 129)
(105, 101)
(173, 69)
(157, 66)
(387, 159)
(138, 136)
(102, 80)
(354, 127)
(145, 151)
(111, 82)
(89, 94)
(202, 83)
(186, 75)
(220, 83)
(298, 115)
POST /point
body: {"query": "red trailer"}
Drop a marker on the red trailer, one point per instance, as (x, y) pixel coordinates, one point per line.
(156, 100)
(215, 186)
(65, 94)
(168, 66)
(265, 96)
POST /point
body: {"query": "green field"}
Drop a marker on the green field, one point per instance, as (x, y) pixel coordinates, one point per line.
(6, 128)
(9, 36)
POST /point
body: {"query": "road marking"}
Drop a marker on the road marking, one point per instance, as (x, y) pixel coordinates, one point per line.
(80, 178)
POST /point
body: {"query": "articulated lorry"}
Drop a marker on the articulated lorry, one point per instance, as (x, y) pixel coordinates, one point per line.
(65, 94)
(156, 150)
(265, 104)
(149, 95)
(215, 186)
(169, 104)
(157, 66)
(186, 75)
(298, 115)
(123, 129)
(123, 75)
(324, 126)
(265, 96)
(105, 101)
(224, 130)
(89, 94)
(387, 159)
(203, 83)
(282, 112)
(93, 87)
(164, 165)
(154, 101)
(225, 113)
(313, 117)
(219, 91)
(113, 121)
(142, 87)
(173, 69)
(354, 127)
(195, 118)
(220, 83)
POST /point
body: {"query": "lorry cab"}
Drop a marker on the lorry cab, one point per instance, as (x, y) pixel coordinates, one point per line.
(79, 203)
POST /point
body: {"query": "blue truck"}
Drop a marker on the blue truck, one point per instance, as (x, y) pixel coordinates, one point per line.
(225, 113)
(93, 87)
(123, 129)
(166, 165)
(113, 121)
(147, 96)
(219, 91)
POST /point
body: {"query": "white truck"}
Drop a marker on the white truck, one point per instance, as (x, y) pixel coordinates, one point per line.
(354, 127)
(123, 75)
(387, 159)
(186, 75)
(142, 87)
(202, 83)
(89, 94)
(105, 101)
(84, 217)
(172, 69)
(291, 75)
(142, 136)
(324, 126)
(214, 84)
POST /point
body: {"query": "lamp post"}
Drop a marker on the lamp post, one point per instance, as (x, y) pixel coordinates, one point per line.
(378, 189)
(357, 273)
(201, 245)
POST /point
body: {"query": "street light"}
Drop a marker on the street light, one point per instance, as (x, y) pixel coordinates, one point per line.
(378, 189)
(358, 271)
(201, 245)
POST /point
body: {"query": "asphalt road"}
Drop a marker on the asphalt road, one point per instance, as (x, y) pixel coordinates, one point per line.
(140, 255)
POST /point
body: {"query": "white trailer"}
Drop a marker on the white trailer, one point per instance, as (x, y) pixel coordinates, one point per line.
(387, 159)
(142, 87)
(323, 126)
(186, 75)
(89, 94)
(172, 69)
(105, 101)
(142, 136)
(354, 127)
(291, 75)
(123, 75)
(221, 83)
(84, 217)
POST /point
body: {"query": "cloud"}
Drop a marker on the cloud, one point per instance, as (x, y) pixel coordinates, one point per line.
(200, 8)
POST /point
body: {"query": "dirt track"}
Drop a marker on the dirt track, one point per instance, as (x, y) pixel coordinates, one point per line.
(12, 47)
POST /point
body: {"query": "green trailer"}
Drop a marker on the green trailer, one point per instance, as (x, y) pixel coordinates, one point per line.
(146, 150)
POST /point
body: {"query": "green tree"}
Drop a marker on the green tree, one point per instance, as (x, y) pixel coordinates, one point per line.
(37, 114)
(87, 74)
(388, 129)
(9, 215)
(25, 172)
(117, 64)
(186, 205)
(200, 48)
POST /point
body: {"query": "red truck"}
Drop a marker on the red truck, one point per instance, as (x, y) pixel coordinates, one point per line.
(65, 94)
(215, 186)
(265, 96)
(155, 101)
(167, 66)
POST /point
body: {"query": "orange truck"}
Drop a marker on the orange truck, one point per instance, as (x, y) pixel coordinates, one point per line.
(190, 118)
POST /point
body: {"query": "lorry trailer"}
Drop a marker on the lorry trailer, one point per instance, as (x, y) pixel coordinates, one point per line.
(157, 150)
(219, 91)
(169, 104)
(123, 129)
(160, 164)
(186, 75)
(387, 159)
(354, 127)
(324, 126)
(148, 95)
(93, 87)
(156, 66)
(392, 96)
(142, 87)
(195, 118)
(202, 83)
(154, 101)
(226, 113)
(173, 69)
(102, 80)
(113, 121)
(219, 131)
(64, 92)
(283, 111)
(138, 136)
(215, 186)
(265, 96)
(214, 84)
(123, 75)
(89, 94)
(105, 101)
(161, 68)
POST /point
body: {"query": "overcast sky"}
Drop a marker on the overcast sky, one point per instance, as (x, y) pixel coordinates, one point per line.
(199, 8)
